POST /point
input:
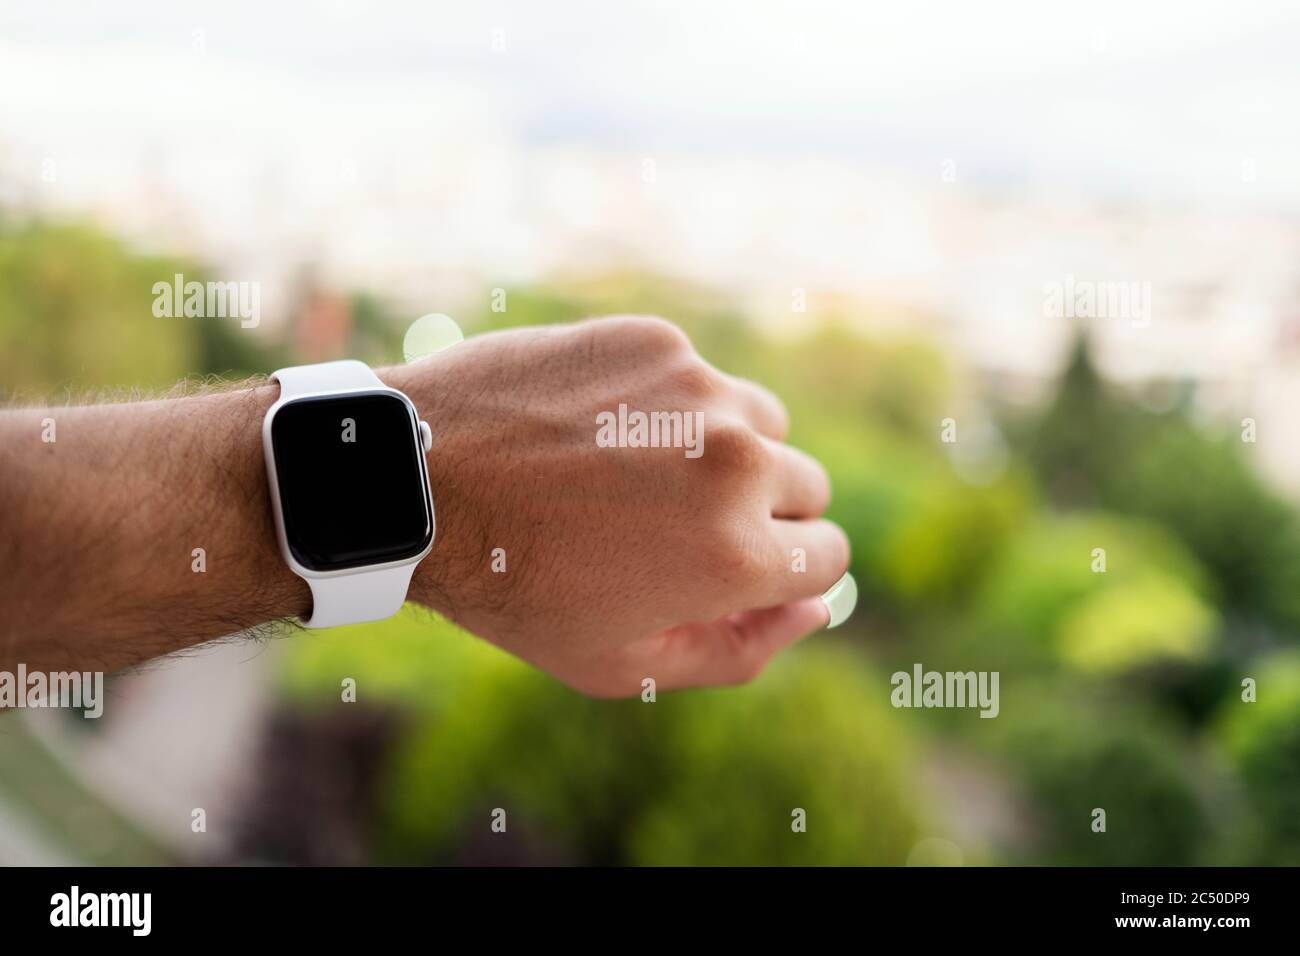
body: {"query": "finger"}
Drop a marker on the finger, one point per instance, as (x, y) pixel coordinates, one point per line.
(736, 648)
(761, 408)
(807, 558)
(801, 487)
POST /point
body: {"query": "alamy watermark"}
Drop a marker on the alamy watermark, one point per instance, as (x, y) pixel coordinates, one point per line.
(922, 688)
(133, 911)
(1072, 298)
(208, 300)
(635, 429)
(80, 690)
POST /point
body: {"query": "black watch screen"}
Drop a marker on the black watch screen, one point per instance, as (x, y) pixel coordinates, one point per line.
(352, 483)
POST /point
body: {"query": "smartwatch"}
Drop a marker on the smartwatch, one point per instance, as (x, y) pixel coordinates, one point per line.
(349, 488)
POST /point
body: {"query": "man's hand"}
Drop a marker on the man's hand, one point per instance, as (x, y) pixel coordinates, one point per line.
(621, 563)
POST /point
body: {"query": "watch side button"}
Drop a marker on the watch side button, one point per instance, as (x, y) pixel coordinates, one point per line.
(426, 436)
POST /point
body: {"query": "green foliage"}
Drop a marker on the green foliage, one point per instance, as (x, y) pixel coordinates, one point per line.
(1146, 607)
(377, 331)
(1154, 618)
(816, 735)
(1094, 446)
(694, 777)
(1243, 532)
(1263, 738)
(1073, 754)
(76, 311)
(899, 384)
(921, 536)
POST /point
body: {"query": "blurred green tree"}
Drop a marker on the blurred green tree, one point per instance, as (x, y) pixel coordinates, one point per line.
(1263, 739)
(1092, 446)
(695, 777)
(76, 313)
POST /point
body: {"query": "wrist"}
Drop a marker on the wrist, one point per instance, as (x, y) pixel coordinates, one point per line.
(432, 581)
(443, 579)
(269, 589)
(440, 580)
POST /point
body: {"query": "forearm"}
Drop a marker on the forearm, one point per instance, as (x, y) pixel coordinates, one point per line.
(99, 557)
(100, 562)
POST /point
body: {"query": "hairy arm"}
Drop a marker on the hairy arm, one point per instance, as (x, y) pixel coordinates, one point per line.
(97, 560)
(619, 563)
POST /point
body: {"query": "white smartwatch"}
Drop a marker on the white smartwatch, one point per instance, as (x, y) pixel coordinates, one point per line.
(345, 458)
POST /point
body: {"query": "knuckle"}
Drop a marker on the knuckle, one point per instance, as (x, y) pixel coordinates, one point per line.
(770, 405)
(695, 379)
(821, 487)
(780, 422)
(734, 449)
(735, 555)
(652, 332)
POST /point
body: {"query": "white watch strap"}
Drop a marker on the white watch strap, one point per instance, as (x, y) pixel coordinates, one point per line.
(365, 595)
(325, 377)
(357, 598)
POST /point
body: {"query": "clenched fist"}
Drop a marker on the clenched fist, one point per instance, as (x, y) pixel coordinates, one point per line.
(612, 508)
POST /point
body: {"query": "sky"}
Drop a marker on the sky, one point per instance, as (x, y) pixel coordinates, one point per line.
(1161, 99)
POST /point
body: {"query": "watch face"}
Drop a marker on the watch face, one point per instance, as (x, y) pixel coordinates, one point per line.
(352, 485)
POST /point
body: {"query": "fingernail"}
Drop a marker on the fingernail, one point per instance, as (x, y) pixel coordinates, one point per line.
(840, 600)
